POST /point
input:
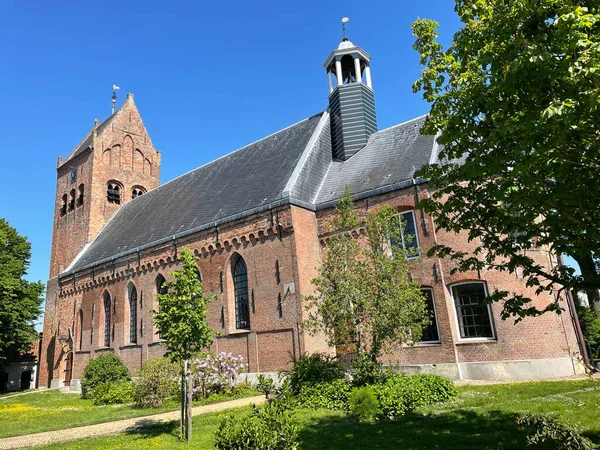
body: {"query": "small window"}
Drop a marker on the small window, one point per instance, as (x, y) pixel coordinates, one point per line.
(80, 195)
(240, 283)
(113, 193)
(72, 200)
(132, 313)
(472, 313)
(137, 191)
(408, 238)
(430, 333)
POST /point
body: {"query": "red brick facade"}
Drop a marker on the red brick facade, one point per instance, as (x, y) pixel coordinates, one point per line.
(282, 249)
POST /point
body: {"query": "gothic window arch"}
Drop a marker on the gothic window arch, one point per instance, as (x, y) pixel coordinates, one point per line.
(160, 289)
(80, 330)
(107, 318)
(113, 192)
(80, 191)
(240, 287)
(72, 200)
(132, 295)
(137, 191)
(63, 208)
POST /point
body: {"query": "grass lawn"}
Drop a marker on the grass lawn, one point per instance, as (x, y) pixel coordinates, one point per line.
(50, 410)
(483, 417)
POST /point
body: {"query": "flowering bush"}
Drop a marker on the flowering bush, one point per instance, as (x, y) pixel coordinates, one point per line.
(215, 373)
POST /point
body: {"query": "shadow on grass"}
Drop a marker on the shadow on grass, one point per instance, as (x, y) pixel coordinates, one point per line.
(460, 429)
(148, 428)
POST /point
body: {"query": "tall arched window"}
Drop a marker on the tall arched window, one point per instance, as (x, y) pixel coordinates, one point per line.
(63, 208)
(240, 283)
(160, 289)
(72, 200)
(80, 330)
(132, 291)
(107, 305)
(80, 195)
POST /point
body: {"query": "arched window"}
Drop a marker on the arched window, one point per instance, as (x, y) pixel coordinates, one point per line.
(113, 193)
(160, 289)
(72, 200)
(132, 291)
(240, 283)
(107, 305)
(137, 191)
(63, 208)
(80, 195)
(80, 330)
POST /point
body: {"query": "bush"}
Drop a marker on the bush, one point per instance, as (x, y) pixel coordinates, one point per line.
(103, 369)
(547, 429)
(112, 393)
(266, 385)
(215, 373)
(267, 428)
(330, 395)
(590, 326)
(400, 394)
(312, 369)
(158, 382)
(365, 371)
(363, 403)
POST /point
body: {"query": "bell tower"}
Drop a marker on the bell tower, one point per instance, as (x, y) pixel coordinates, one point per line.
(351, 100)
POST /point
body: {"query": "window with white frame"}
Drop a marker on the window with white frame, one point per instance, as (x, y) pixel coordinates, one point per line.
(472, 312)
(430, 332)
(407, 238)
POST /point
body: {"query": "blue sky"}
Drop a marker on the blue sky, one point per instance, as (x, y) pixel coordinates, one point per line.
(208, 77)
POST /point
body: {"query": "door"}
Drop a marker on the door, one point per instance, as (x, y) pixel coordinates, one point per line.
(68, 368)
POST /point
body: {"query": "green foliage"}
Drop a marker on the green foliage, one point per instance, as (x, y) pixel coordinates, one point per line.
(366, 371)
(112, 393)
(105, 368)
(330, 395)
(20, 300)
(157, 383)
(365, 289)
(311, 369)
(268, 428)
(400, 394)
(363, 403)
(546, 428)
(266, 385)
(181, 318)
(590, 326)
(515, 101)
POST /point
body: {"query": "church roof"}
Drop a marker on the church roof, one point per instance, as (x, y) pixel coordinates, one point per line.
(293, 165)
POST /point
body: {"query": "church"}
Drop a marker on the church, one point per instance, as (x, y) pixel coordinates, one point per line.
(256, 218)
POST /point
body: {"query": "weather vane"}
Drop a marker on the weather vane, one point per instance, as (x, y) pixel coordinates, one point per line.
(344, 20)
(114, 97)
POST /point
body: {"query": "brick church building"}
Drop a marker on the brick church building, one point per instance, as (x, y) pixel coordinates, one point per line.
(255, 218)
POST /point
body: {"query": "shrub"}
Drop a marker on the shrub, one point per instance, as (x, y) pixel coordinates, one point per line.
(547, 429)
(215, 373)
(330, 395)
(267, 428)
(363, 403)
(590, 326)
(311, 369)
(400, 394)
(365, 371)
(112, 393)
(103, 369)
(266, 385)
(158, 382)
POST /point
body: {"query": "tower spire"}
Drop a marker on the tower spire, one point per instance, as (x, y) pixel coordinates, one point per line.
(344, 20)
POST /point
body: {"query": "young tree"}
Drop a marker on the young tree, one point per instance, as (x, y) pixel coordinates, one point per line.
(364, 293)
(515, 102)
(20, 300)
(181, 322)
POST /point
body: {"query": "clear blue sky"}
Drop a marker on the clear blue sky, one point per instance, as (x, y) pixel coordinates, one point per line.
(208, 77)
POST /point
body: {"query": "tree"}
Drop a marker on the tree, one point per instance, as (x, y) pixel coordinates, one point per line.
(364, 292)
(20, 300)
(181, 322)
(515, 103)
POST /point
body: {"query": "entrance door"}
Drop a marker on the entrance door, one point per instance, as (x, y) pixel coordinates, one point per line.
(25, 379)
(68, 368)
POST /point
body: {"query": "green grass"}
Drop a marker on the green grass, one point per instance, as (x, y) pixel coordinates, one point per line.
(39, 411)
(483, 417)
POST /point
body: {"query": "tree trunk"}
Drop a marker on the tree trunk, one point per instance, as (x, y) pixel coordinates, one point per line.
(589, 273)
(188, 415)
(183, 398)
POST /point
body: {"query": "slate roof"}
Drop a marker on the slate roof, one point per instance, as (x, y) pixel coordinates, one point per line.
(293, 165)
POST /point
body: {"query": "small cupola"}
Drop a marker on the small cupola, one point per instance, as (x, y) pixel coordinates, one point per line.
(351, 101)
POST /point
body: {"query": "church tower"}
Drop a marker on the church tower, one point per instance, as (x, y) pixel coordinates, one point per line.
(115, 163)
(351, 101)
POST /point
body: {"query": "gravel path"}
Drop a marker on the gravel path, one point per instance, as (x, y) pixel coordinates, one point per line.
(118, 426)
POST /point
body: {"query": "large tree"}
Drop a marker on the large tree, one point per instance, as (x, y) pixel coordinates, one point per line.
(515, 104)
(364, 292)
(20, 300)
(181, 323)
